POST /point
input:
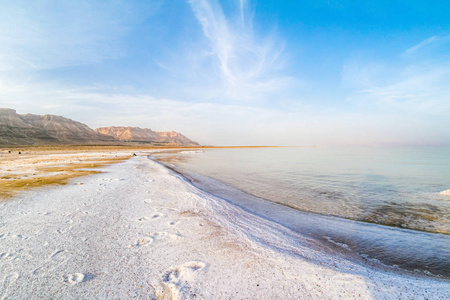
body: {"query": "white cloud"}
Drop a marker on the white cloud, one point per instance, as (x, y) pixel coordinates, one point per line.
(203, 83)
(421, 45)
(250, 65)
(417, 89)
(426, 44)
(242, 7)
(223, 124)
(413, 84)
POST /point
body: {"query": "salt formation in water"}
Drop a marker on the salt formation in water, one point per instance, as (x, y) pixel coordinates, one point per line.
(445, 193)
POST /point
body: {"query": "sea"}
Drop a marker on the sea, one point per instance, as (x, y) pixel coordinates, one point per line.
(385, 204)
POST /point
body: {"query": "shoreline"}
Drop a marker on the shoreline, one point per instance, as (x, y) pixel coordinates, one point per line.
(168, 162)
(139, 230)
(136, 146)
(333, 237)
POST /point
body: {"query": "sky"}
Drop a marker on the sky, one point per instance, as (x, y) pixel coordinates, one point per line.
(235, 72)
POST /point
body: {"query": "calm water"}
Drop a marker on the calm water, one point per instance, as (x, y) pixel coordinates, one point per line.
(396, 186)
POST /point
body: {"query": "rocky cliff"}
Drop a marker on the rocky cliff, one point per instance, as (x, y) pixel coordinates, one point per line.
(16, 129)
(145, 135)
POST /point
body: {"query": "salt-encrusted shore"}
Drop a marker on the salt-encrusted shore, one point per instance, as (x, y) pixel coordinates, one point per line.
(142, 231)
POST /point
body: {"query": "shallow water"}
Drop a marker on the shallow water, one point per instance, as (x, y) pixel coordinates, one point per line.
(398, 187)
(402, 187)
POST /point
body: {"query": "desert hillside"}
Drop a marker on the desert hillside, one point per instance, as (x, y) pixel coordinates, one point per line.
(29, 129)
(145, 135)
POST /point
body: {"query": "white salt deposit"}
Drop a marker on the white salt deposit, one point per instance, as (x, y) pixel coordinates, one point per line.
(140, 231)
(445, 193)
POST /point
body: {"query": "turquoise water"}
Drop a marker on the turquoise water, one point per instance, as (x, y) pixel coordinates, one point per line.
(401, 187)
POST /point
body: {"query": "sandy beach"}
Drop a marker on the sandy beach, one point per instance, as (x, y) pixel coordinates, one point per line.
(138, 230)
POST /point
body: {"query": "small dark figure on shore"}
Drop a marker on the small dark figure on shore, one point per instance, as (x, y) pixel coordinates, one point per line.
(20, 152)
(134, 154)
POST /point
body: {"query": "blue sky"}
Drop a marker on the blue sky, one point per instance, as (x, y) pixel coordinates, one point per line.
(235, 72)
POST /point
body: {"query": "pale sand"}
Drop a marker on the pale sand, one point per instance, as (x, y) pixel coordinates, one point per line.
(140, 231)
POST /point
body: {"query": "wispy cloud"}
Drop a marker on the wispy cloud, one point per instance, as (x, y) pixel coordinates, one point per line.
(421, 45)
(249, 64)
(436, 42)
(51, 34)
(409, 85)
(242, 7)
(417, 89)
(224, 78)
(222, 123)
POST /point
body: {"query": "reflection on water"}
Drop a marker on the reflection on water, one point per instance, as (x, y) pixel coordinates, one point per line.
(395, 187)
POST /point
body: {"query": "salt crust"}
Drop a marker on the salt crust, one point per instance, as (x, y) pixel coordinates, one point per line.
(139, 231)
(445, 193)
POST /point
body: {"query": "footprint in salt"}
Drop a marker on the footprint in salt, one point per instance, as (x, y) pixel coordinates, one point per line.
(156, 216)
(159, 235)
(167, 208)
(6, 284)
(7, 256)
(76, 278)
(142, 242)
(153, 217)
(63, 230)
(55, 260)
(178, 280)
(163, 234)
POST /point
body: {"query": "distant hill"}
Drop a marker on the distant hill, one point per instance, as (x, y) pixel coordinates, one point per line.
(145, 135)
(29, 129)
(16, 129)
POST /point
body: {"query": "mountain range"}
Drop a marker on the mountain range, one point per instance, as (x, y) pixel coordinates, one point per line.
(145, 135)
(29, 129)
